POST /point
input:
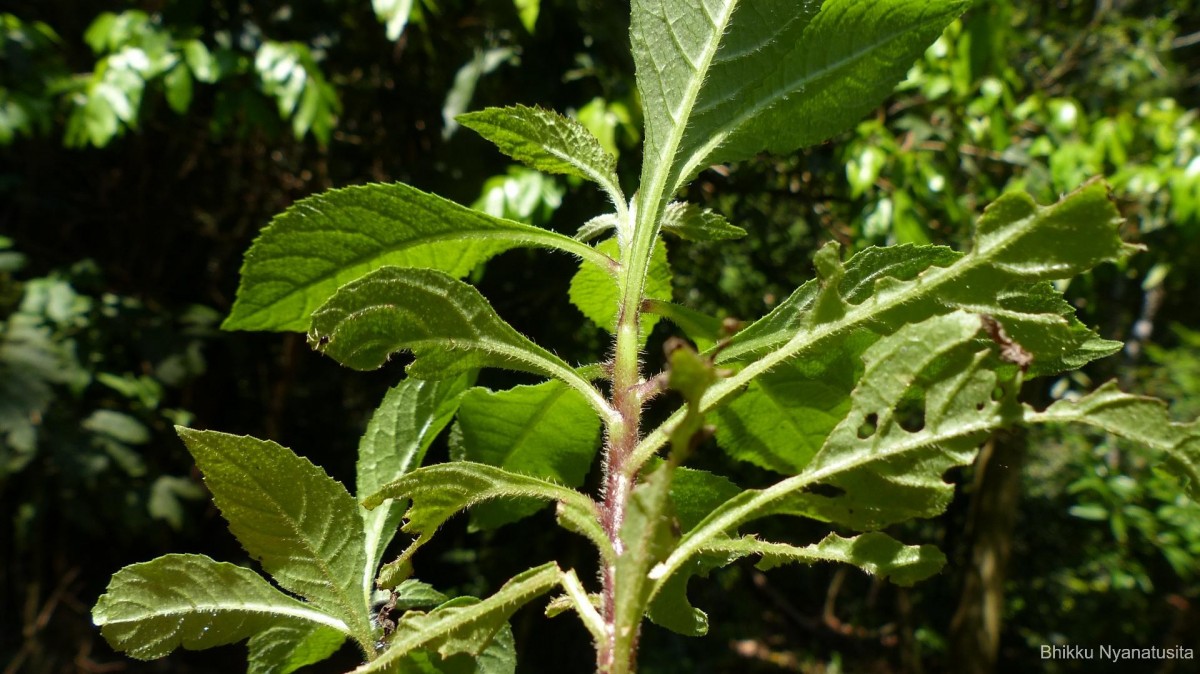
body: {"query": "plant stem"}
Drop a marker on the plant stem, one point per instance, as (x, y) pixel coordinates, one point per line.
(618, 653)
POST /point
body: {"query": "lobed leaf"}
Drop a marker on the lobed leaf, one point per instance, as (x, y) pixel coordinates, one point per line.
(462, 625)
(884, 292)
(1138, 419)
(546, 431)
(327, 240)
(191, 601)
(408, 420)
(884, 462)
(447, 324)
(439, 492)
(300, 524)
(876, 553)
(547, 141)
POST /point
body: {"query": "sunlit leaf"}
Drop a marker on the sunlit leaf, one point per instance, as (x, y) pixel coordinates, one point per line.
(190, 601)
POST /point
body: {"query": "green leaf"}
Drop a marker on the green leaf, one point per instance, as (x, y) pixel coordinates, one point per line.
(692, 223)
(328, 240)
(285, 648)
(784, 417)
(439, 492)
(647, 539)
(546, 431)
(595, 293)
(721, 85)
(499, 657)
(447, 324)
(462, 625)
(702, 329)
(1139, 419)
(925, 402)
(547, 141)
(299, 523)
(152, 608)
(696, 493)
(408, 420)
(877, 554)
(885, 293)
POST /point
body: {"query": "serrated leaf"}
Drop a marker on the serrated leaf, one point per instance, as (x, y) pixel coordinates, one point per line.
(152, 608)
(408, 420)
(447, 324)
(595, 293)
(461, 626)
(300, 524)
(1138, 419)
(283, 649)
(439, 492)
(990, 279)
(926, 400)
(721, 80)
(692, 223)
(987, 280)
(546, 431)
(547, 141)
(328, 240)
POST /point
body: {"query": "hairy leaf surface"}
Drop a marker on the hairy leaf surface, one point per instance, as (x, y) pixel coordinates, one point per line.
(595, 292)
(299, 523)
(988, 280)
(462, 625)
(285, 648)
(1138, 419)
(722, 80)
(692, 223)
(408, 420)
(547, 141)
(885, 461)
(447, 324)
(439, 492)
(330, 239)
(152, 608)
(546, 431)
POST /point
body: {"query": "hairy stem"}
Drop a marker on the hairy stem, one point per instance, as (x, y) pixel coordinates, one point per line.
(618, 653)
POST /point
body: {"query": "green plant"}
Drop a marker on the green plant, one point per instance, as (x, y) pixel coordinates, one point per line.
(858, 392)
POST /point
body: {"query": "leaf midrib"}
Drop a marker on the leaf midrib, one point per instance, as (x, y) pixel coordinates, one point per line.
(332, 579)
(538, 237)
(725, 130)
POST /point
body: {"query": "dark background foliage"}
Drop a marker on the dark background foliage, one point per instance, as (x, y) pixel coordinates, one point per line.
(128, 196)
